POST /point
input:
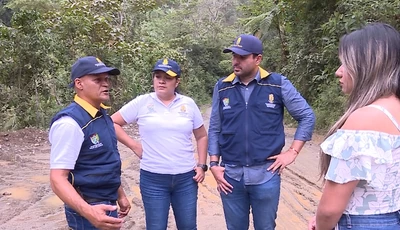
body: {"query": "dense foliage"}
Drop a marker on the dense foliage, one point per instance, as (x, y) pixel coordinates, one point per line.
(302, 38)
(40, 39)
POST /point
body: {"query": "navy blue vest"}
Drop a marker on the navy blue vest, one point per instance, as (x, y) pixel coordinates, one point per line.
(251, 133)
(97, 172)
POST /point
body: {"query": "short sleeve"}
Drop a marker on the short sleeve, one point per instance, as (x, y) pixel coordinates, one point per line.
(197, 117)
(66, 138)
(359, 155)
(130, 111)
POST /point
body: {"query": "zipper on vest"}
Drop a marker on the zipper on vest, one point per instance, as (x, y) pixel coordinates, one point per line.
(247, 137)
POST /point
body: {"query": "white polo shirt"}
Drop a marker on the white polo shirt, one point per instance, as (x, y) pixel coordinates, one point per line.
(165, 131)
(66, 138)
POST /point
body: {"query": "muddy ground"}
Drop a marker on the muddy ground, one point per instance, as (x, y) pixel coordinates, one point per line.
(27, 201)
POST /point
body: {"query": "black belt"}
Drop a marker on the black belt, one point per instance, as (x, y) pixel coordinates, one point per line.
(91, 199)
(97, 200)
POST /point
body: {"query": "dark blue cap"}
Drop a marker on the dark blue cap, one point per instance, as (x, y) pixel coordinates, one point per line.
(168, 66)
(244, 45)
(90, 65)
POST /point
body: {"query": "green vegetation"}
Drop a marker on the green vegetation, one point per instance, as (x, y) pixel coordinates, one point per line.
(40, 39)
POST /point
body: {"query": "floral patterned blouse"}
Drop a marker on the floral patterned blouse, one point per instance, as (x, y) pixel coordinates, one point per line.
(371, 157)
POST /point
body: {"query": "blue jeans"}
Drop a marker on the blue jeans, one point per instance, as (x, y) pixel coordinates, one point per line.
(389, 221)
(78, 222)
(159, 191)
(263, 200)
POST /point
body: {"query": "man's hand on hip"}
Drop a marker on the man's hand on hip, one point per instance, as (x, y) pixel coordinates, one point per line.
(282, 160)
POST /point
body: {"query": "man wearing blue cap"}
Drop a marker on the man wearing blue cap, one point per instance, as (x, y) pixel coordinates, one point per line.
(85, 165)
(246, 130)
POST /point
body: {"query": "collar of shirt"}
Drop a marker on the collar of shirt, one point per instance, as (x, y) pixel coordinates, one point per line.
(237, 79)
(88, 107)
(177, 96)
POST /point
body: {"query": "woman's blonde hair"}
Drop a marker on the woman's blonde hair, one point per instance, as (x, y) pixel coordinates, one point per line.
(371, 56)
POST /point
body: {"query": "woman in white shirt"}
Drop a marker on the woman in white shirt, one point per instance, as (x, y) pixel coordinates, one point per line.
(360, 158)
(169, 172)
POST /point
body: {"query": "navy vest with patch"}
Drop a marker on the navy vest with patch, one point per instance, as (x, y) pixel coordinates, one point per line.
(251, 133)
(97, 172)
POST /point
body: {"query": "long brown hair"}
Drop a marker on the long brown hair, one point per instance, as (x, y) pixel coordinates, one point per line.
(371, 56)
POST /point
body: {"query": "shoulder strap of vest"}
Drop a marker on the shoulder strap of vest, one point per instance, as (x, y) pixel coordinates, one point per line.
(231, 77)
(74, 111)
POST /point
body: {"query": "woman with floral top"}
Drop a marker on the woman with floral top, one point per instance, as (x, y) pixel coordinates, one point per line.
(360, 158)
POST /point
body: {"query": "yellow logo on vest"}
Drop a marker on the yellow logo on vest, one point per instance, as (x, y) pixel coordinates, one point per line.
(270, 103)
(271, 98)
(225, 101)
(165, 61)
(95, 139)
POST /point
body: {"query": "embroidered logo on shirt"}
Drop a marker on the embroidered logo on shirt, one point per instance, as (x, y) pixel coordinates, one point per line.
(183, 110)
(95, 139)
(150, 108)
(270, 103)
(225, 101)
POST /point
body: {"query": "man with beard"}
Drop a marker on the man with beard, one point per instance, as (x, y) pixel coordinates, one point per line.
(246, 131)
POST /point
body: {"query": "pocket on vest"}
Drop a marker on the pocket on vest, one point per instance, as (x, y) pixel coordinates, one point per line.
(227, 138)
(269, 132)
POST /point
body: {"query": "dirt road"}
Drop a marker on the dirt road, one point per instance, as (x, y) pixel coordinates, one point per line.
(27, 202)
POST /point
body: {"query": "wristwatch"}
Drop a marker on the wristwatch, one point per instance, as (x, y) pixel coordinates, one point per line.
(203, 166)
(214, 163)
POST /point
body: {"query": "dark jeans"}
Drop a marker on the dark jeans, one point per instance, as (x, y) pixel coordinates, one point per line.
(77, 222)
(263, 200)
(389, 221)
(159, 191)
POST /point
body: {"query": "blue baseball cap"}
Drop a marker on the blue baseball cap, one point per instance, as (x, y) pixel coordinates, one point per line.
(168, 66)
(244, 45)
(90, 65)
